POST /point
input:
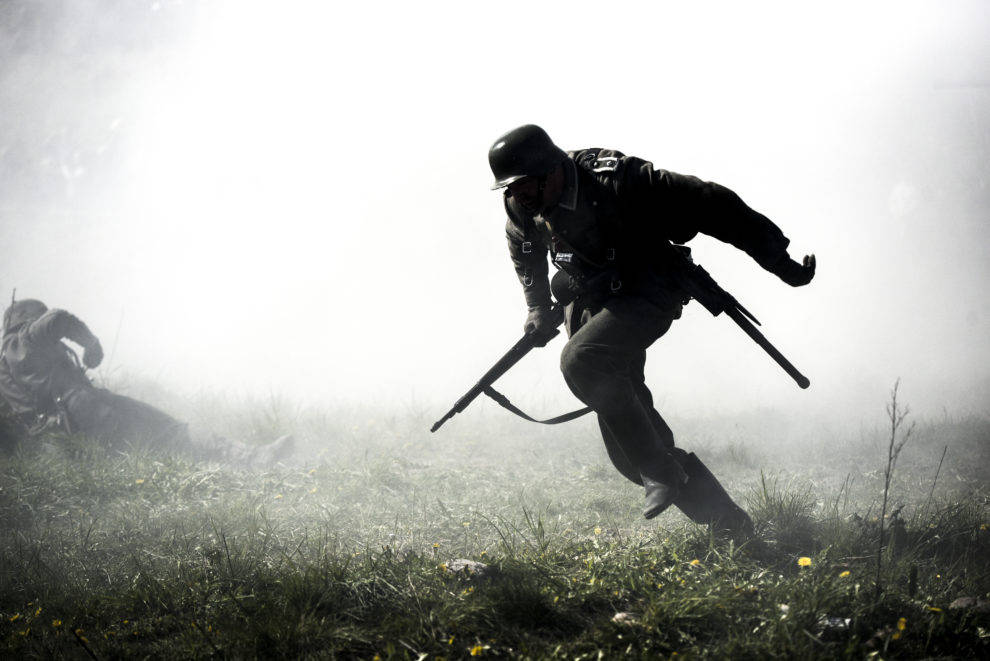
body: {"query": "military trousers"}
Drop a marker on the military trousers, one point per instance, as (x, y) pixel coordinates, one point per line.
(117, 419)
(603, 363)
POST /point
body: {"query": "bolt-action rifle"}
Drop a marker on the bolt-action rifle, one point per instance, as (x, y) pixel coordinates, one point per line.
(700, 286)
(565, 289)
(695, 281)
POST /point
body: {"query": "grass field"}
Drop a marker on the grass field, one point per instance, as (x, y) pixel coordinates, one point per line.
(348, 551)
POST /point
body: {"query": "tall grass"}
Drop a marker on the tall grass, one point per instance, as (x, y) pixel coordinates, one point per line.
(347, 552)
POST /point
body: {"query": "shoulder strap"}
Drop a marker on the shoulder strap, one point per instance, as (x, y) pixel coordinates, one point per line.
(504, 402)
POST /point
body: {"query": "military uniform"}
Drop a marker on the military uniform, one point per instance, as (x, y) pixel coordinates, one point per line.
(45, 387)
(619, 214)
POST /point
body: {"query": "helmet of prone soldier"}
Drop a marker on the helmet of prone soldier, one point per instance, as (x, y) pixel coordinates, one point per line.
(526, 151)
(22, 312)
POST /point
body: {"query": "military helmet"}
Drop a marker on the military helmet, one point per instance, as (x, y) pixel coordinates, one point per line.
(526, 151)
(22, 312)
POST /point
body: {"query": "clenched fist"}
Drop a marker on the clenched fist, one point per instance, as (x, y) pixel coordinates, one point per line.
(93, 355)
(795, 273)
(542, 320)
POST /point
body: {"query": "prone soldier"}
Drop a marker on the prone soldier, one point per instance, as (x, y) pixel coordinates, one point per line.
(599, 212)
(45, 388)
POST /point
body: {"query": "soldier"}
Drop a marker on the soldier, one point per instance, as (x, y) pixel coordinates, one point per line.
(45, 387)
(597, 210)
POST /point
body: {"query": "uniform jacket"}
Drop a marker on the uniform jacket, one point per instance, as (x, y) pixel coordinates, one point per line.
(620, 212)
(36, 366)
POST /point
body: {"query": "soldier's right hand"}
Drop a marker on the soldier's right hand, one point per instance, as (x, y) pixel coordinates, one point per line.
(541, 320)
(93, 355)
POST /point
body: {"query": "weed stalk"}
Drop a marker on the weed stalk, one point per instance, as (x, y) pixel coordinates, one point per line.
(896, 414)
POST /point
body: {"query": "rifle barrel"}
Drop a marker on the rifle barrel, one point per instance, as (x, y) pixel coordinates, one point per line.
(511, 357)
(761, 339)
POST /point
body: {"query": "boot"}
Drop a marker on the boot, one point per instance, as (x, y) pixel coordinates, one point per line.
(663, 481)
(704, 500)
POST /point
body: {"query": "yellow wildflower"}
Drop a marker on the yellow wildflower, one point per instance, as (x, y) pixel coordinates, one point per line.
(436, 545)
(15, 617)
(844, 574)
(37, 612)
(465, 523)
(56, 623)
(804, 561)
(476, 650)
(598, 530)
(376, 657)
(451, 641)
(902, 624)
(896, 636)
(443, 566)
(695, 562)
(278, 496)
(140, 480)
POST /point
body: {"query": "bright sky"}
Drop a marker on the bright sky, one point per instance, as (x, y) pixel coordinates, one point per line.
(300, 196)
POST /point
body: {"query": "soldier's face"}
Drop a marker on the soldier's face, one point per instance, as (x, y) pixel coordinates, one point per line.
(528, 193)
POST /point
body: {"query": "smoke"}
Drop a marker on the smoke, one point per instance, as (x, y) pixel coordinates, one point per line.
(294, 197)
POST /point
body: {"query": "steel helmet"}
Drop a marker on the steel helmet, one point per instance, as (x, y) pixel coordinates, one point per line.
(22, 312)
(526, 151)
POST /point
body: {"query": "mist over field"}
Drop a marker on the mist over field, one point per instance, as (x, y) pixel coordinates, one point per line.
(277, 219)
(256, 198)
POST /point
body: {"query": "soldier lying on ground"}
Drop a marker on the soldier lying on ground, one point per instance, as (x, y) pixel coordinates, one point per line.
(45, 388)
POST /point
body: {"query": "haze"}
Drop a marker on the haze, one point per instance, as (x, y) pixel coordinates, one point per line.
(294, 197)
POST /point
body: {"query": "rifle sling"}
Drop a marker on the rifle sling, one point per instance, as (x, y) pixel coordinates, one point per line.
(504, 402)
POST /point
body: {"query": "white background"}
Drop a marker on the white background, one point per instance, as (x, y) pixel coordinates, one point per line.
(293, 197)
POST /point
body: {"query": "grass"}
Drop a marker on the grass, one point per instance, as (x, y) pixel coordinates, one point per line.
(347, 553)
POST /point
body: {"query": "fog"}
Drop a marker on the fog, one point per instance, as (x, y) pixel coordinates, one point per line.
(294, 198)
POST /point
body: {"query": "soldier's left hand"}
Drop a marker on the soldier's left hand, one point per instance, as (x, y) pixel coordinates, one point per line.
(796, 273)
(93, 355)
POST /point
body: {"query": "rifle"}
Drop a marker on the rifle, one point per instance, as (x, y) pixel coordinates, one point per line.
(697, 282)
(565, 289)
(694, 280)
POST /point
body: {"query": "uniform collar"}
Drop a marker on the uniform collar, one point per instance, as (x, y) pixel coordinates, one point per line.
(568, 198)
